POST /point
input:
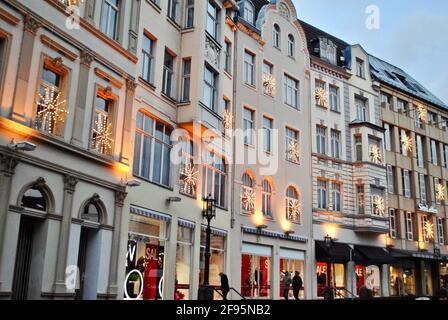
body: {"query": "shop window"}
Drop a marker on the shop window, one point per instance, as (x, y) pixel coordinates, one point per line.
(293, 264)
(370, 277)
(255, 276)
(149, 236)
(214, 179)
(217, 260)
(337, 277)
(51, 111)
(102, 126)
(402, 281)
(184, 251)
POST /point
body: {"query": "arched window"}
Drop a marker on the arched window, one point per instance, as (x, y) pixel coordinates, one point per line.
(276, 36)
(293, 206)
(266, 198)
(214, 178)
(291, 45)
(91, 212)
(34, 199)
(248, 193)
(248, 12)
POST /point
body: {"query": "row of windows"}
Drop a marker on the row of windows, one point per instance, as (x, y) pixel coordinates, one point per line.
(410, 225)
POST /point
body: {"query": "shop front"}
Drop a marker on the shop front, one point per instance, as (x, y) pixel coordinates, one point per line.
(293, 262)
(184, 254)
(256, 271)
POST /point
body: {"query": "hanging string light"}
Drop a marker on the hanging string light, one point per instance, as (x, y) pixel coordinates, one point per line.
(227, 120)
(294, 210)
(50, 110)
(71, 2)
(375, 154)
(189, 178)
(248, 199)
(269, 84)
(407, 142)
(293, 151)
(429, 230)
(321, 97)
(441, 192)
(379, 205)
(421, 112)
(102, 135)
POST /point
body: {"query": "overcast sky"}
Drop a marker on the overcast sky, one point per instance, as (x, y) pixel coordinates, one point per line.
(413, 34)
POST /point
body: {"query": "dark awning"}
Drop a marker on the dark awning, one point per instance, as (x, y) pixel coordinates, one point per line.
(373, 255)
(339, 252)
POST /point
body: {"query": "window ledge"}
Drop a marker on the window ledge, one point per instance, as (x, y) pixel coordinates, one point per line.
(167, 98)
(188, 29)
(183, 103)
(250, 86)
(147, 84)
(173, 23)
(154, 5)
(228, 74)
(154, 183)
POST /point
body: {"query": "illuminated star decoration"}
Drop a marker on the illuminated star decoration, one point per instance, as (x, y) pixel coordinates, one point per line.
(71, 2)
(294, 210)
(248, 199)
(375, 154)
(269, 84)
(421, 112)
(102, 135)
(379, 206)
(50, 111)
(189, 176)
(227, 120)
(294, 151)
(407, 142)
(440, 192)
(429, 230)
(321, 97)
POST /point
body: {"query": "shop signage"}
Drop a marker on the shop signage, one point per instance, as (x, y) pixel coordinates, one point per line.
(131, 255)
(426, 208)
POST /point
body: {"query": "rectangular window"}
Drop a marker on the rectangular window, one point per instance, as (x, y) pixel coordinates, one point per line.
(152, 150)
(432, 118)
(436, 184)
(358, 148)
(336, 196)
(292, 145)
(210, 88)
(267, 134)
(214, 179)
(420, 157)
(109, 18)
(249, 68)
(291, 87)
(441, 230)
(268, 79)
(335, 144)
(360, 199)
(422, 188)
(390, 179)
(189, 14)
(406, 183)
(148, 59)
(248, 125)
(386, 99)
(187, 168)
(360, 69)
(445, 155)
(102, 131)
(401, 105)
(168, 75)
(321, 140)
(173, 9)
(361, 109)
(409, 219)
(443, 123)
(393, 223)
(228, 61)
(212, 19)
(184, 254)
(322, 200)
(186, 79)
(334, 98)
(217, 259)
(418, 120)
(387, 137)
(434, 152)
(425, 226)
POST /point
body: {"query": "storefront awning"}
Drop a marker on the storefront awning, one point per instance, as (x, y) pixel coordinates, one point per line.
(150, 213)
(373, 255)
(413, 255)
(339, 252)
(215, 231)
(186, 223)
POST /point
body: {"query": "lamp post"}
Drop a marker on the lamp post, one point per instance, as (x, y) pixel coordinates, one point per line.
(208, 212)
(328, 241)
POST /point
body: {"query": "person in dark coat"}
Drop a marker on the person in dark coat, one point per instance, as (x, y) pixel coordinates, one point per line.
(297, 283)
(225, 288)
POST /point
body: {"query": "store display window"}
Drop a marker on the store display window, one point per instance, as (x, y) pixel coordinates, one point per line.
(402, 281)
(337, 277)
(184, 251)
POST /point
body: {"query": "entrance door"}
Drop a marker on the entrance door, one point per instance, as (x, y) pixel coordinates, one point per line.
(23, 259)
(82, 257)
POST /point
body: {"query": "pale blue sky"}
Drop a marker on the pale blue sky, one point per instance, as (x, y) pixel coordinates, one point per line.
(413, 34)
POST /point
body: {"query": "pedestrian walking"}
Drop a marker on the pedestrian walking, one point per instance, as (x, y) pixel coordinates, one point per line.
(225, 288)
(297, 284)
(286, 285)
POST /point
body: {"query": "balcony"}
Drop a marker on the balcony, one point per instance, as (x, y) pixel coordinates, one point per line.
(371, 224)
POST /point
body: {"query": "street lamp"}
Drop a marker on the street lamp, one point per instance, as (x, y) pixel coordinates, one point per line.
(208, 212)
(328, 241)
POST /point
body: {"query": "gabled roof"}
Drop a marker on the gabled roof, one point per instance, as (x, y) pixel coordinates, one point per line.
(399, 79)
(312, 34)
(258, 4)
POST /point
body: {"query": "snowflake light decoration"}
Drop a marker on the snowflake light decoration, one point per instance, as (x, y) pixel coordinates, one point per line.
(248, 199)
(189, 178)
(407, 142)
(429, 230)
(441, 192)
(50, 109)
(294, 151)
(379, 205)
(321, 97)
(269, 84)
(227, 120)
(294, 210)
(375, 154)
(421, 112)
(102, 135)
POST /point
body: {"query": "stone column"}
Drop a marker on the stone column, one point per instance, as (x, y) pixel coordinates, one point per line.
(120, 196)
(385, 280)
(81, 98)
(170, 263)
(30, 28)
(70, 183)
(126, 145)
(8, 164)
(351, 277)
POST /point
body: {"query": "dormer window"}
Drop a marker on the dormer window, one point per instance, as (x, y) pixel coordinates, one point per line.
(360, 69)
(248, 12)
(328, 50)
